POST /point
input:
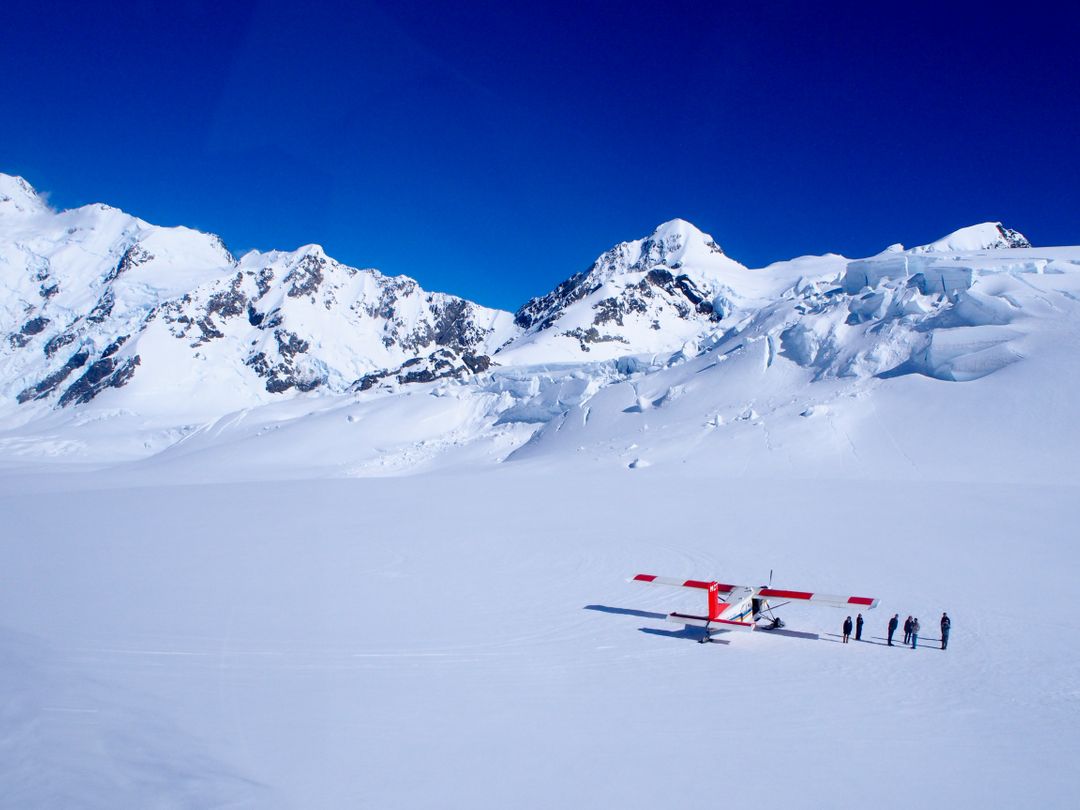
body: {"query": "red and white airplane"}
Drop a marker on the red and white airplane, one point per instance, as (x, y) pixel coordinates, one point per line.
(743, 606)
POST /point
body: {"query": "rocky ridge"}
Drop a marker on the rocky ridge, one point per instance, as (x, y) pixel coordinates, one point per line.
(644, 295)
(94, 299)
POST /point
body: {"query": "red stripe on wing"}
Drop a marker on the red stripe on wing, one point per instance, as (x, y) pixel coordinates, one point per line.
(697, 583)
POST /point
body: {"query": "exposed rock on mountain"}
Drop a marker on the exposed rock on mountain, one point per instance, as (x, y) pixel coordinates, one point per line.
(647, 295)
(96, 291)
(439, 365)
(93, 300)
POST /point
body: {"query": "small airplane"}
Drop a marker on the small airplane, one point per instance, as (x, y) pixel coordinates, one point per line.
(744, 606)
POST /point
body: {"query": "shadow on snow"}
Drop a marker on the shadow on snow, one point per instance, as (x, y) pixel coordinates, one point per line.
(641, 614)
(687, 633)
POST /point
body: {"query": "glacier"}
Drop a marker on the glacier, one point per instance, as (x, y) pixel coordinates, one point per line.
(279, 532)
(167, 344)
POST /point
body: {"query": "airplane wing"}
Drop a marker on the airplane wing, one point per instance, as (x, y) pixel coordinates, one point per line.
(741, 605)
(675, 582)
(818, 598)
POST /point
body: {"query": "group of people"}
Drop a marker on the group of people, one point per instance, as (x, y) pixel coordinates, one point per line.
(858, 628)
(911, 629)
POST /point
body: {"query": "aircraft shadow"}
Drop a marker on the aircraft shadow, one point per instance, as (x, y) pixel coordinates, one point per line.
(794, 634)
(687, 633)
(696, 634)
(641, 614)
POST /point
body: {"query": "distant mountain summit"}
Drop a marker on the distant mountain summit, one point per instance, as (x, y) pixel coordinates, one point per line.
(984, 236)
(649, 294)
(18, 198)
(667, 248)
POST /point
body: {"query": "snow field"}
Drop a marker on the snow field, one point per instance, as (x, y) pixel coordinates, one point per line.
(470, 640)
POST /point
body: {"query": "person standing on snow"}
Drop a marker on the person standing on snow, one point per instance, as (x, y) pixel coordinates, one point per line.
(914, 633)
(894, 622)
(907, 630)
(847, 628)
(858, 627)
(946, 626)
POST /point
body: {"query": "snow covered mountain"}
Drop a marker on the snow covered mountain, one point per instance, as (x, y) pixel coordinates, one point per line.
(648, 295)
(126, 340)
(95, 299)
(984, 236)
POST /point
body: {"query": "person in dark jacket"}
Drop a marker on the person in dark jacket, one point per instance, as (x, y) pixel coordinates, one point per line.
(847, 628)
(915, 633)
(946, 626)
(858, 627)
(894, 622)
(907, 630)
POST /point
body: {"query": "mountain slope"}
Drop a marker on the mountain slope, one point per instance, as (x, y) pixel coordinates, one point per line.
(647, 295)
(984, 236)
(94, 299)
(125, 341)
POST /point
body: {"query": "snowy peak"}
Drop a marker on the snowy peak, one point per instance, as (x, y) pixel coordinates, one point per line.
(984, 236)
(675, 242)
(672, 245)
(94, 299)
(17, 197)
(646, 295)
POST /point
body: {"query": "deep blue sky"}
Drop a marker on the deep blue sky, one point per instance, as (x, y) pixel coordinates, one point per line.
(491, 151)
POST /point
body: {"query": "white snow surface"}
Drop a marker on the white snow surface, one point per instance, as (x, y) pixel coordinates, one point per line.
(415, 595)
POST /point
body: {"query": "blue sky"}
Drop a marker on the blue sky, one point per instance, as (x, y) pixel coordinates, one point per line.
(492, 151)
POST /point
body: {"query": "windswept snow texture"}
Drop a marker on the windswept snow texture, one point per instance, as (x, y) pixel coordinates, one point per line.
(282, 533)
